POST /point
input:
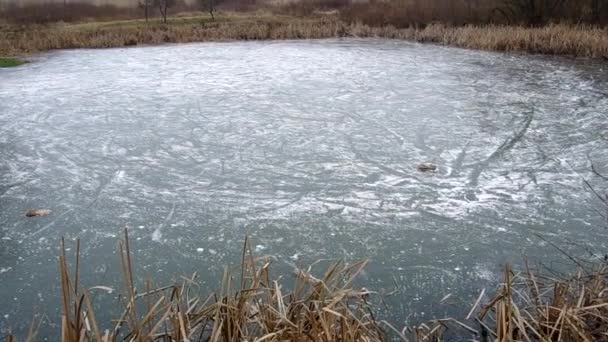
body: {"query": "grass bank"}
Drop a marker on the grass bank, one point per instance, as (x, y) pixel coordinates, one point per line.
(252, 305)
(563, 39)
(8, 62)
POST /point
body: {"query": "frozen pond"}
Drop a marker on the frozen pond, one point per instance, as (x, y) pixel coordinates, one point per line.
(309, 147)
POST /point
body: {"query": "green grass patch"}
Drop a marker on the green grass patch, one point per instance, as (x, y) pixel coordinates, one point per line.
(7, 62)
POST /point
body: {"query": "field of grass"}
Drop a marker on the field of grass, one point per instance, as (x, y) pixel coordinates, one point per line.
(562, 39)
(251, 304)
(8, 62)
(33, 38)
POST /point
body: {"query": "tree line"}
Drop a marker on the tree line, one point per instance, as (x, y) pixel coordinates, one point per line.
(399, 13)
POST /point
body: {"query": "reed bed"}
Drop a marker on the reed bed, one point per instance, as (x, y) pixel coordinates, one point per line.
(572, 40)
(578, 41)
(251, 305)
(530, 307)
(34, 38)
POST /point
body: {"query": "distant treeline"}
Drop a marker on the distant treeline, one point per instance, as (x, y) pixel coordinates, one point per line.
(398, 13)
(54, 12)
(40, 13)
(402, 13)
(79, 10)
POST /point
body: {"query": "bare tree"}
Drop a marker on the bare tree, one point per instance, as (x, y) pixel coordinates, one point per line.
(163, 6)
(209, 6)
(145, 4)
(597, 7)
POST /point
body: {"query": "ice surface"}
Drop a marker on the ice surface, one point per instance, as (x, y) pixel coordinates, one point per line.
(308, 147)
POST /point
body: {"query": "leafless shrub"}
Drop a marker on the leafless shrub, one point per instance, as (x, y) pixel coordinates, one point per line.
(163, 6)
(210, 6)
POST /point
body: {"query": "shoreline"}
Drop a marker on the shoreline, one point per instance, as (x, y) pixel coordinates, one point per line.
(559, 39)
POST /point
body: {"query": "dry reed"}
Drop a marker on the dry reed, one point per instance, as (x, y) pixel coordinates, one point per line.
(250, 305)
(531, 307)
(573, 40)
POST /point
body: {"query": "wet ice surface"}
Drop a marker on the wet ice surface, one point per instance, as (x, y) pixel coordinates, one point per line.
(310, 148)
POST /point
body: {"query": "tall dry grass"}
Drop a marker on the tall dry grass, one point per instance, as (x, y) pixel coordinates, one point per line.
(251, 305)
(473, 24)
(573, 40)
(17, 39)
(532, 307)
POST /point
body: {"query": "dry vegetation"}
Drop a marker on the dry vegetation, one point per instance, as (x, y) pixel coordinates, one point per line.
(32, 38)
(529, 307)
(578, 41)
(251, 305)
(503, 25)
(559, 39)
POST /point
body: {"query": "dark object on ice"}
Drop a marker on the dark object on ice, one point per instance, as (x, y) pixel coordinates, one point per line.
(426, 167)
(37, 212)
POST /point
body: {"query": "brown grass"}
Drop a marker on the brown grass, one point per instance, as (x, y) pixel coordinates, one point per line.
(530, 307)
(573, 40)
(15, 40)
(251, 305)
